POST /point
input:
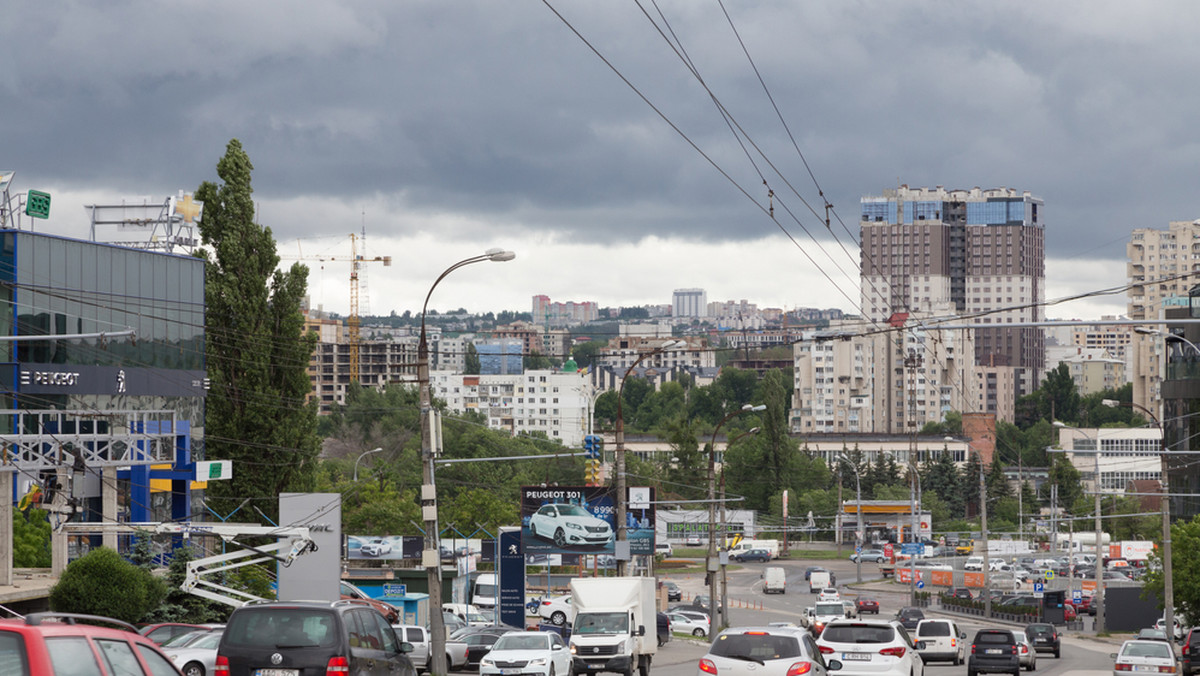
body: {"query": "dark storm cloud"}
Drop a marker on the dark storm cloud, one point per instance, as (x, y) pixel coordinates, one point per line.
(482, 108)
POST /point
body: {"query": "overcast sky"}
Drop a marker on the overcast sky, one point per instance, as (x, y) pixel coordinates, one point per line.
(446, 127)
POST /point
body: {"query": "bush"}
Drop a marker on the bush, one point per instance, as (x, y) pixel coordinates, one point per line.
(102, 583)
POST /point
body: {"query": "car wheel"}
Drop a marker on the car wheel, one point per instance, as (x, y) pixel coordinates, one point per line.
(879, 560)
(560, 538)
(193, 669)
(972, 672)
(697, 632)
(551, 670)
(1057, 653)
(558, 617)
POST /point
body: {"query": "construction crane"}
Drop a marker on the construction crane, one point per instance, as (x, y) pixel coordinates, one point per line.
(352, 322)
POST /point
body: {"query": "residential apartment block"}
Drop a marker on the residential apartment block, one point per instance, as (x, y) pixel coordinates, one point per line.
(553, 402)
(1126, 454)
(689, 303)
(555, 314)
(980, 251)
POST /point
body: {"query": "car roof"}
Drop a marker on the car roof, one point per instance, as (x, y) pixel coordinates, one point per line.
(768, 629)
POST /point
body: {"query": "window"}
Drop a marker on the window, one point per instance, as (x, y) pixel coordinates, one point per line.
(159, 665)
(12, 654)
(120, 658)
(72, 656)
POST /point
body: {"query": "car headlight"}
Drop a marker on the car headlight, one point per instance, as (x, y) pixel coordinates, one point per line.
(621, 647)
(537, 662)
(574, 526)
(572, 648)
(487, 662)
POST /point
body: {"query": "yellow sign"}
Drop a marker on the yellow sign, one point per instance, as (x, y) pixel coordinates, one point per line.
(735, 541)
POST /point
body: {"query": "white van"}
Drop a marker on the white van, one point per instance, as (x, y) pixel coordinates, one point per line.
(467, 613)
(483, 592)
(943, 641)
(774, 580)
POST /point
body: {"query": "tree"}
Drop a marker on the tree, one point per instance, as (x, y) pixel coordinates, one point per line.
(584, 354)
(31, 539)
(1185, 571)
(471, 365)
(102, 583)
(535, 361)
(256, 349)
(1064, 475)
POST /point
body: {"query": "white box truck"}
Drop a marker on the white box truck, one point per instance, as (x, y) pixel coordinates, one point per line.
(818, 580)
(615, 627)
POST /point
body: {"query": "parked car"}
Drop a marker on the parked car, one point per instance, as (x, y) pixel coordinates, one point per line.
(674, 593)
(419, 638)
(1152, 656)
(690, 613)
(865, 605)
(694, 541)
(1044, 637)
(1151, 634)
(307, 636)
(351, 593)
(198, 657)
(701, 602)
(685, 624)
(973, 563)
(569, 525)
(909, 617)
(480, 640)
(1162, 624)
(872, 646)
(752, 555)
(1190, 652)
(161, 632)
(992, 651)
(962, 593)
(527, 652)
(663, 549)
(49, 643)
(183, 640)
(875, 555)
(775, 651)
(456, 654)
(557, 609)
(944, 641)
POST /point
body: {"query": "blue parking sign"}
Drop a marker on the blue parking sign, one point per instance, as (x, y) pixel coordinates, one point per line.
(1038, 587)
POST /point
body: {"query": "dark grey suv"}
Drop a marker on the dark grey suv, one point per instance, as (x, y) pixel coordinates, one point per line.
(311, 638)
(994, 650)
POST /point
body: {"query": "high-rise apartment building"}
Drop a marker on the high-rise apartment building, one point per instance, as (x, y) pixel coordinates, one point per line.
(689, 303)
(1158, 259)
(981, 251)
(550, 313)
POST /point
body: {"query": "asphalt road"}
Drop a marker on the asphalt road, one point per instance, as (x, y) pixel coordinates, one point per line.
(749, 606)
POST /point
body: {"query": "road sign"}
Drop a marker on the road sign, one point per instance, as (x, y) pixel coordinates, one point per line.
(1077, 595)
(1039, 595)
(920, 584)
(887, 550)
(912, 548)
(1038, 588)
(1049, 575)
(857, 549)
(395, 590)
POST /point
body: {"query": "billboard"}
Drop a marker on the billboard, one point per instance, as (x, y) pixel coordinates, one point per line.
(581, 520)
(383, 548)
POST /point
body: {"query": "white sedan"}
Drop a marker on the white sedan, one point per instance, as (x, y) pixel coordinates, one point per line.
(527, 652)
(569, 525)
(198, 657)
(557, 609)
(1152, 656)
(683, 624)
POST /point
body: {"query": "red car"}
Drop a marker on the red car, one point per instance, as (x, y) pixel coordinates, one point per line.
(165, 630)
(53, 643)
(867, 606)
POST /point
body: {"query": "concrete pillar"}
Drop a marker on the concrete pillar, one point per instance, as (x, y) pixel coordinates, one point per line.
(108, 504)
(6, 529)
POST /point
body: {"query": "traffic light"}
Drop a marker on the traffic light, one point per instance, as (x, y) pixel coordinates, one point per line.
(592, 474)
(591, 447)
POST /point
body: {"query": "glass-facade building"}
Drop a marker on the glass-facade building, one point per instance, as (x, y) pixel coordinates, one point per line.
(92, 295)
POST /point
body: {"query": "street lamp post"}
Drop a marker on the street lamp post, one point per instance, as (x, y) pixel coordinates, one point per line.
(1168, 583)
(916, 530)
(360, 457)
(619, 452)
(1098, 595)
(857, 519)
(983, 528)
(723, 606)
(431, 557)
(710, 561)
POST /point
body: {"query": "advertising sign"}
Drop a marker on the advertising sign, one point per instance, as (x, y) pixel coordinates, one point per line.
(512, 579)
(943, 578)
(374, 548)
(973, 580)
(678, 530)
(581, 520)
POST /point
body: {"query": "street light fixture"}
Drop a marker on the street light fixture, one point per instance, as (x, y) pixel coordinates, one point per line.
(710, 561)
(1098, 595)
(431, 557)
(360, 457)
(619, 451)
(1168, 583)
(858, 524)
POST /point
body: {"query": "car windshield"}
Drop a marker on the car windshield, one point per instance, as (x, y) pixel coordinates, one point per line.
(756, 646)
(934, 629)
(180, 640)
(1039, 629)
(911, 613)
(858, 633)
(994, 637)
(572, 510)
(208, 641)
(275, 627)
(1146, 650)
(829, 609)
(522, 642)
(601, 623)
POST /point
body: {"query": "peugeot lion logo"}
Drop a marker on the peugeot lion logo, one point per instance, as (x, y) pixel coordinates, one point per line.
(276, 658)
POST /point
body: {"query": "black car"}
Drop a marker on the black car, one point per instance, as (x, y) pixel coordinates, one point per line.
(664, 629)
(752, 555)
(962, 593)
(810, 570)
(701, 602)
(994, 651)
(910, 617)
(1191, 652)
(1044, 637)
(674, 593)
(311, 637)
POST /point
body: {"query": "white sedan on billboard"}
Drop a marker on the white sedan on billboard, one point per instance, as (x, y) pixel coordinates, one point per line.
(569, 525)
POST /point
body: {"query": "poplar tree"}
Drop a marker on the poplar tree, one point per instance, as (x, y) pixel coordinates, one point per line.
(256, 350)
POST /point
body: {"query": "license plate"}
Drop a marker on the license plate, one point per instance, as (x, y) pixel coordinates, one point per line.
(994, 651)
(510, 672)
(1144, 667)
(1042, 640)
(276, 672)
(861, 657)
